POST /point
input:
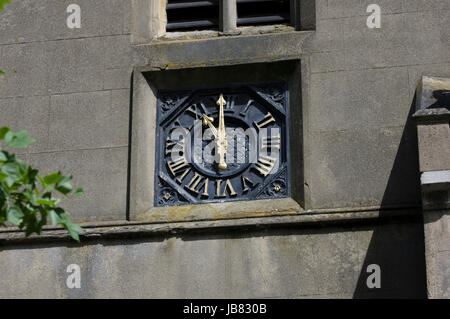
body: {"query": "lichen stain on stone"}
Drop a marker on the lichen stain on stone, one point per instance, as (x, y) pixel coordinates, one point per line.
(168, 245)
(219, 211)
(180, 211)
(182, 65)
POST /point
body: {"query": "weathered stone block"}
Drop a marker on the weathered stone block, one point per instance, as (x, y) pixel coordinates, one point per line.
(327, 61)
(434, 147)
(28, 68)
(340, 160)
(30, 114)
(396, 43)
(101, 172)
(101, 120)
(327, 37)
(117, 78)
(440, 284)
(425, 5)
(359, 99)
(28, 20)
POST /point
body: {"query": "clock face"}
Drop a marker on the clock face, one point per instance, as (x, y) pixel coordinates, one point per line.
(222, 144)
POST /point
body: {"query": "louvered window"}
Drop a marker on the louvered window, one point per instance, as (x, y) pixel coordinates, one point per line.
(185, 15)
(262, 12)
(227, 15)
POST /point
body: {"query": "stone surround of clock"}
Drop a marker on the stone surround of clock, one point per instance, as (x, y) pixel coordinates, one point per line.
(158, 193)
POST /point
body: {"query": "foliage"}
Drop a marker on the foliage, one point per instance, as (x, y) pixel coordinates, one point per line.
(26, 198)
(3, 2)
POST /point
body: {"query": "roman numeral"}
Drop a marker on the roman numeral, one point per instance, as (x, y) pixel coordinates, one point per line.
(230, 103)
(245, 184)
(273, 142)
(205, 189)
(228, 187)
(178, 164)
(180, 179)
(265, 165)
(265, 121)
(245, 110)
(195, 181)
(197, 110)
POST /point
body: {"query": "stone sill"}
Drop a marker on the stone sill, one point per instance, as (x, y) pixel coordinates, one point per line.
(221, 51)
(432, 116)
(210, 34)
(140, 229)
(221, 210)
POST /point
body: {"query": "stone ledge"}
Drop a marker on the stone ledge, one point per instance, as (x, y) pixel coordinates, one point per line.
(433, 93)
(122, 229)
(222, 210)
(221, 51)
(435, 180)
(432, 116)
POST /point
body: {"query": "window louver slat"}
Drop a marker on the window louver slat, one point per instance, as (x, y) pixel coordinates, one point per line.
(276, 19)
(192, 15)
(247, 1)
(263, 12)
(190, 4)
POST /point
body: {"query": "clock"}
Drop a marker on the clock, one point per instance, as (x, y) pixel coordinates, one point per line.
(222, 144)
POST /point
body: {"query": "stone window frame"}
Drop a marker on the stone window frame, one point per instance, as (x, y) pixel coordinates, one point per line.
(150, 19)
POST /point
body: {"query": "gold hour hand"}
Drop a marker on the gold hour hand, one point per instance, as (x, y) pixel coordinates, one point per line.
(208, 121)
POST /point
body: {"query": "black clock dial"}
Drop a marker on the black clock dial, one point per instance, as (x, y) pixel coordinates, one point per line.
(238, 150)
(221, 144)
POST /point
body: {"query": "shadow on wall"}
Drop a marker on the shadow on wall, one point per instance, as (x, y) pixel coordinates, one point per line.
(401, 275)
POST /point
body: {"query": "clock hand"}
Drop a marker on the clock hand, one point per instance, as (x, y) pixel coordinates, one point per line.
(208, 121)
(222, 140)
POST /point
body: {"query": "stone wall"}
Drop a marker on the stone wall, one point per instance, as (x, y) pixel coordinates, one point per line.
(297, 262)
(70, 88)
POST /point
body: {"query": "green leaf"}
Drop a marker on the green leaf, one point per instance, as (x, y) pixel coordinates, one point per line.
(3, 2)
(43, 201)
(64, 186)
(18, 140)
(54, 217)
(1, 72)
(3, 157)
(9, 181)
(53, 178)
(78, 192)
(13, 171)
(3, 131)
(32, 226)
(45, 185)
(73, 230)
(3, 176)
(15, 215)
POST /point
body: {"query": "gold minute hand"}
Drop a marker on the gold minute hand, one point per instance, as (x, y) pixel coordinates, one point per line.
(222, 138)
